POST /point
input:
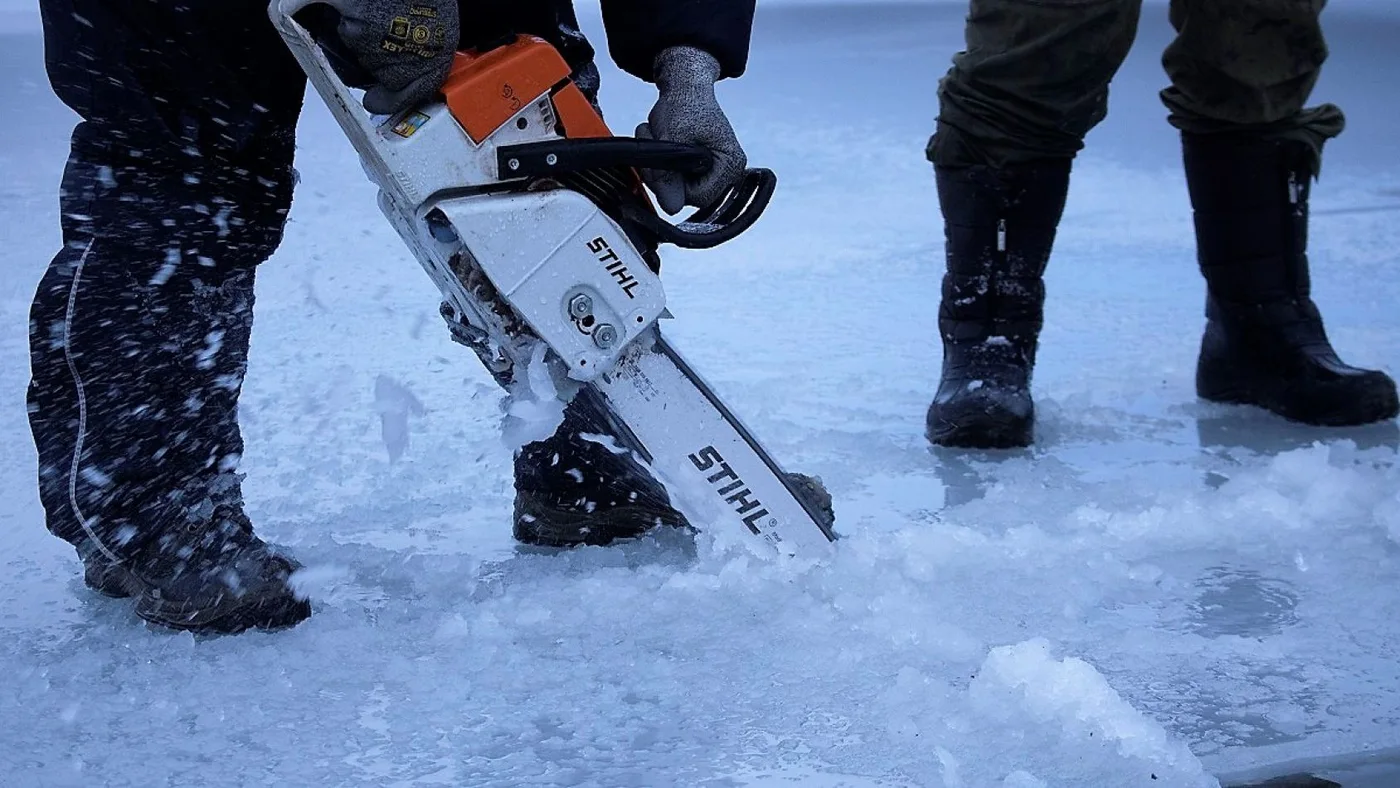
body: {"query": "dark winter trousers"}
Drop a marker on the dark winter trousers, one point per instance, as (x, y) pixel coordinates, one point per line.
(1033, 79)
(177, 186)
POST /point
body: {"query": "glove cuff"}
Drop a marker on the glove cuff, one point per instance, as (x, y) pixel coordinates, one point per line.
(683, 68)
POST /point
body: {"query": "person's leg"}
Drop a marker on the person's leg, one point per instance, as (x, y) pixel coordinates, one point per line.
(177, 186)
(579, 486)
(1014, 110)
(1242, 72)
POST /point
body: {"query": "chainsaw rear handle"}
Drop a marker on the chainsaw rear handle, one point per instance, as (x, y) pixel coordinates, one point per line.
(711, 226)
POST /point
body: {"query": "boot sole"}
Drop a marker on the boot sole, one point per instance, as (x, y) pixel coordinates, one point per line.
(225, 617)
(812, 492)
(971, 438)
(567, 529)
(1340, 411)
(111, 581)
(987, 430)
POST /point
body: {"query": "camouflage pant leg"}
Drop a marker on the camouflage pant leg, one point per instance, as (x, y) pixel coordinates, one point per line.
(1032, 81)
(1249, 66)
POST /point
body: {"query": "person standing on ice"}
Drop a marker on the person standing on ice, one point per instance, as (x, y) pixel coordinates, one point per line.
(1014, 110)
(178, 186)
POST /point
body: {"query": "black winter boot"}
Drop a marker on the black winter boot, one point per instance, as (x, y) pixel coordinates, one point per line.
(205, 573)
(1264, 341)
(999, 227)
(572, 490)
(106, 576)
(218, 578)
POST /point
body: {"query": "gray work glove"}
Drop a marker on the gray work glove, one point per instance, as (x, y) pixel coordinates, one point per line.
(687, 111)
(405, 47)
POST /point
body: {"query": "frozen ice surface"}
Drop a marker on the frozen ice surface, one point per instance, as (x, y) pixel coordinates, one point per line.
(396, 404)
(1160, 588)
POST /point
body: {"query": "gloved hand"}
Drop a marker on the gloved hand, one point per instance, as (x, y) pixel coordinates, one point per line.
(404, 47)
(687, 111)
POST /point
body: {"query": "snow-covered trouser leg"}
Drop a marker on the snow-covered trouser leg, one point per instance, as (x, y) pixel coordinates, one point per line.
(137, 358)
(177, 186)
(999, 228)
(1264, 342)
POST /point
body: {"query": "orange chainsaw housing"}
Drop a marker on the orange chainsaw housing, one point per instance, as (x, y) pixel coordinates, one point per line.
(486, 89)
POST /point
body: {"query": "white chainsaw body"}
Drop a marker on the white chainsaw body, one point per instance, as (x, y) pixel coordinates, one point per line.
(521, 262)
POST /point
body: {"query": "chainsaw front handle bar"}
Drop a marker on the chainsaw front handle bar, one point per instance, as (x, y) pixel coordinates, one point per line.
(734, 213)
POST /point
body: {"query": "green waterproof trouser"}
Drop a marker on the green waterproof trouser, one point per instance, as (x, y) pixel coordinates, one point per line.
(1033, 79)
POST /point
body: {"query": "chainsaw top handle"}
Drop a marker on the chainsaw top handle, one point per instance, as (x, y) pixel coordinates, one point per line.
(711, 226)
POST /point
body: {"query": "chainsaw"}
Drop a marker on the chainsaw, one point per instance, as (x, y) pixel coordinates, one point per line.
(531, 218)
